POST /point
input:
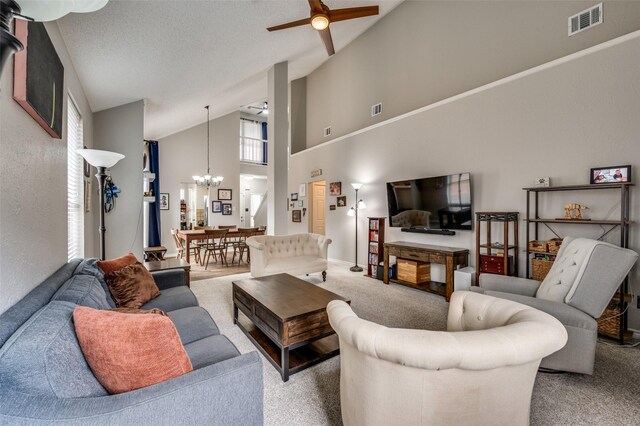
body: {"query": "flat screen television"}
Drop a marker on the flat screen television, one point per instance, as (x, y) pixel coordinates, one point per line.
(442, 202)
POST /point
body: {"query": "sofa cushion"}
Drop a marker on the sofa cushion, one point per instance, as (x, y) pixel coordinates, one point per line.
(43, 357)
(210, 350)
(113, 265)
(193, 323)
(566, 270)
(84, 290)
(90, 267)
(130, 351)
(132, 286)
(295, 265)
(291, 246)
(173, 298)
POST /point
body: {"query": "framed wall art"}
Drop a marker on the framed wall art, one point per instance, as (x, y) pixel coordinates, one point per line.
(294, 196)
(216, 206)
(224, 194)
(164, 201)
(227, 209)
(335, 188)
(296, 215)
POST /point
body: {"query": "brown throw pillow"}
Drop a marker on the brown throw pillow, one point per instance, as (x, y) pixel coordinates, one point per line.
(129, 351)
(132, 286)
(139, 311)
(112, 265)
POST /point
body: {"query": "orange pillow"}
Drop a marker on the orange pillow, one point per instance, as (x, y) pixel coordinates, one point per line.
(132, 286)
(129, 351)
(112, 265)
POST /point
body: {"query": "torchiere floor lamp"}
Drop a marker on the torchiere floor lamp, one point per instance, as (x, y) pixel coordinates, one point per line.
(353, 211)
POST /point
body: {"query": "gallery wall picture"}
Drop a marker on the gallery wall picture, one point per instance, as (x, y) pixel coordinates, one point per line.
(164, 201)
(226, 209)
(216, 206)
(296, 215)
(224, 194)
(38, 83)
(332, 207)
(335, 188)
(302, 190)
(342, 201)
(294, 196)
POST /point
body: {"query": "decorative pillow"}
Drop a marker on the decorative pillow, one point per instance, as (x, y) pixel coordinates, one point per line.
(129, 351)
(139, 311)
(113, 265)
(132, 286)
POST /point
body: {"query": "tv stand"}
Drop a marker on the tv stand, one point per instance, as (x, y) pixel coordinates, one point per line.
(425, 230)
(452, 257)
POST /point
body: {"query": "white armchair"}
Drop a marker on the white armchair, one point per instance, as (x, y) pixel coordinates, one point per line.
(481, 371)
(292, 254)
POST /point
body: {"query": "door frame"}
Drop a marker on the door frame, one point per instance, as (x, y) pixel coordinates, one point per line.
(312, 203)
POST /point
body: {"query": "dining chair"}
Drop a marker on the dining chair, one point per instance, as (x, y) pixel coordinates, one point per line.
(195, 251)
(240, 246)
(217, 246)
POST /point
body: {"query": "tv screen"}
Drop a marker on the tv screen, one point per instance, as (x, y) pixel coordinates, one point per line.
(442, 202)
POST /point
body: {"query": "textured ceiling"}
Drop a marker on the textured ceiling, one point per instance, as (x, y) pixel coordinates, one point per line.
(181, 55)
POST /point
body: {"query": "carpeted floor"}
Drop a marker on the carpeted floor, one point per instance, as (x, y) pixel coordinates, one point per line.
(312, 397)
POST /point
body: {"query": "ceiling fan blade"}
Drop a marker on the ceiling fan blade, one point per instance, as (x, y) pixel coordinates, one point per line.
(316, 6)
(352, 13)
(304, 21)
(325, 35)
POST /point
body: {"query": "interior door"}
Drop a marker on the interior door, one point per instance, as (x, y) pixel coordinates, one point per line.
(318, 192)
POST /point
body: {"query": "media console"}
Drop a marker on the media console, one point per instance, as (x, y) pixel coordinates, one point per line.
(422, 230)
(451, 257)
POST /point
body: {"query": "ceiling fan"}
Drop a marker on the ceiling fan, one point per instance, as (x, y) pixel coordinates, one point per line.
(321, 16)
(264, 108)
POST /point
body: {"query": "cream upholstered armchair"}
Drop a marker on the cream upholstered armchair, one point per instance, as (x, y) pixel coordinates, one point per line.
(479, 372)
(576, 291)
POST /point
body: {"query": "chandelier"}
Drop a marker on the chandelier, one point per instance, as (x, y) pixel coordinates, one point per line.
(208, 180)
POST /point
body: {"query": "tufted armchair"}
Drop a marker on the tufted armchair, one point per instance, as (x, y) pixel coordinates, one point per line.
(479, 372)
(577, 289)
(292, 254)
(410, 218)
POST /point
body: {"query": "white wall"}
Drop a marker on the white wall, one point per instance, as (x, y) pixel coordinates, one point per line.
(556, 121)
(33, 187)
(120, 129)
(183, 155)
(426, 51)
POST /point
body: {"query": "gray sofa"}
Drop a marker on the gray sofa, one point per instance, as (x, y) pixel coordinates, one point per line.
(45, 379)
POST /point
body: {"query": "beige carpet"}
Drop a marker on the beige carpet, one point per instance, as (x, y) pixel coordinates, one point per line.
(311, 397)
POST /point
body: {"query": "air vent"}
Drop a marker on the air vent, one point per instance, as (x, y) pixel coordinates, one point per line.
(376, 109)
(327, 131)
(585, 19)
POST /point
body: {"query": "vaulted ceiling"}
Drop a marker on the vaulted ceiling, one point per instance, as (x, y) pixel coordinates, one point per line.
(180, 55)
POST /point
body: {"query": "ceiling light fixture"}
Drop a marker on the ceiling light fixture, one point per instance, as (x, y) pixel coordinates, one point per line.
(320, 21)
(208, 180)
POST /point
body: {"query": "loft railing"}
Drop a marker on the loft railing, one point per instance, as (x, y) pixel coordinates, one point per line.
(253, 150)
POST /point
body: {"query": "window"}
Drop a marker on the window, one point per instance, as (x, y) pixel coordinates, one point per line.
(75, 183)
(253, 147)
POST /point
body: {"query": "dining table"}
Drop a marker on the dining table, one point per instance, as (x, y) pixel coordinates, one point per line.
(190, 235)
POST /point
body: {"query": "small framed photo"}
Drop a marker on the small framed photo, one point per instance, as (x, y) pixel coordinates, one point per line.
(216, 206)
(342, 201)
(164, 201)
(300, 203)
(294, 196)
(332, 207)
(296, 215)
(224, 194)
(610, 174)
(335, 188)
(226, 209)
(302, 190)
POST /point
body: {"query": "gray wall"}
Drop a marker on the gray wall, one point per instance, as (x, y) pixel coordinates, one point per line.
(422, 52)
(556, 121)
(33, 187)
(120, 130)
(183, 155)
(298, 108)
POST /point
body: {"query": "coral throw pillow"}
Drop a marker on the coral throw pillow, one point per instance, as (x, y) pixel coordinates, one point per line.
(129, 351)
(132, 286)
(112, 265)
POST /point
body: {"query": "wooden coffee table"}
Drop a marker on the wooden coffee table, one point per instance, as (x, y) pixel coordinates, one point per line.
(286, 318)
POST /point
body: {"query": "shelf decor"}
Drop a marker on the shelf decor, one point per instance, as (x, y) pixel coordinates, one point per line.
(493, 256)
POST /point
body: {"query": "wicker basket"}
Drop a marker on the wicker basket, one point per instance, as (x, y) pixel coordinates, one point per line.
(538, 246)
(553, 245)
(540, 268)
(609, 321)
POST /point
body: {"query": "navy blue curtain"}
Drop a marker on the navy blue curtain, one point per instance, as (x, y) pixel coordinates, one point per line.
(264, 144)
(154, 208)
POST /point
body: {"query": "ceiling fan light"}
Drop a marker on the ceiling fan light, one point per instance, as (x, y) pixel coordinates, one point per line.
(320, 21)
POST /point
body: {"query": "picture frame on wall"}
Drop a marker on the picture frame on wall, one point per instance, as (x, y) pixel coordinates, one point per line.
(302, 190)
(332, 207)
(216, 206)
(335, 188)
(227, 209)
(224, 194)
(610, 174)
(342, 201)
(164, 201)
(294, 196)
(296, 215)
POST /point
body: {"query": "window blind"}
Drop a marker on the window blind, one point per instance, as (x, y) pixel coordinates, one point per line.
(75, 183)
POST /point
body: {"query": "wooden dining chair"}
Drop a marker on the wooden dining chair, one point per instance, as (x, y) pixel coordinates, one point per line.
(195, 251)
(216, 246)
(240, 246)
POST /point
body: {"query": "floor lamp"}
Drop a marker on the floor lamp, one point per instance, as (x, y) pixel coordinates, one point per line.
(353, 211)
(101, 160)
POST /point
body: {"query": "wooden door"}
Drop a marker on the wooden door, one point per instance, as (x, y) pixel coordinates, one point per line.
(318, 207)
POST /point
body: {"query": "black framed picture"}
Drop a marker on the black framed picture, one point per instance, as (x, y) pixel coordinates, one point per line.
(296, 215)
(164, 201)
(610, 174)
(294, 196)
(226, 209)
(216, 206)
(224, 194)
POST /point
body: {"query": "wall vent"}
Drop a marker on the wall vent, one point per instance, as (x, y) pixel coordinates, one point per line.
(585, 19)
(327, 131)
(376, 109)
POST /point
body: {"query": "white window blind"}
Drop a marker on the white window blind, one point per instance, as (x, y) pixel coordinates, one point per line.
(251, 143)
(75, 183)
